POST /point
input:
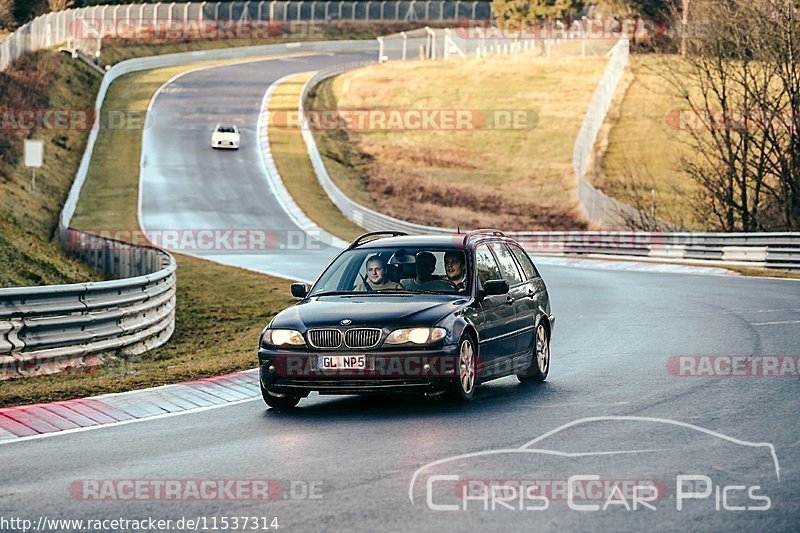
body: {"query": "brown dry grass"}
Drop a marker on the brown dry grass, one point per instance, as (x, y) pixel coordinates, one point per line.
(507, 178)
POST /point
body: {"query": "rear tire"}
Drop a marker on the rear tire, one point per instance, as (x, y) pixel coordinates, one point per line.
(463, 388)
(540, 363)
(279, 402)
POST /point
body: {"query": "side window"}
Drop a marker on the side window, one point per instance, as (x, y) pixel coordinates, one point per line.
(485, 264)
(525, 261)
(507, 264)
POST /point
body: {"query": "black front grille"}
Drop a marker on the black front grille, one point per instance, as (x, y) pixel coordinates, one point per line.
(362, 337)
(325, 338)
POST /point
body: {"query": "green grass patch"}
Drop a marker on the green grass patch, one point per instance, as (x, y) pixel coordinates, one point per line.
(516, 177)
(28, 259)
(294, 166)
(220, 310)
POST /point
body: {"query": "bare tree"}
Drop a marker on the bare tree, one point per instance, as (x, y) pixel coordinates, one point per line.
(684, 24)
(59, 5)
(535, 9)
(7, 20)
(778, 46)
(739, 78)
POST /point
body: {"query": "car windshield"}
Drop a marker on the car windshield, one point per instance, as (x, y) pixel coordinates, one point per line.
(396, 270)
(226, 129)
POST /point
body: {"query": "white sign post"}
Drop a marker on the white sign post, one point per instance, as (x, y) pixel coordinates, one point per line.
(34, 156)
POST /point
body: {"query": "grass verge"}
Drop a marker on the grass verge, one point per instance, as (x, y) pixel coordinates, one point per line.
(38, 84)
(291, 158)
(484, 174)
(645, 148)
(220, 310)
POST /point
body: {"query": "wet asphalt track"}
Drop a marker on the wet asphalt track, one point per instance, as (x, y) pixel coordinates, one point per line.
(614, 335)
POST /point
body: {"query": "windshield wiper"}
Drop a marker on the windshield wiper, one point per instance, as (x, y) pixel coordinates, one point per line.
(421, 291)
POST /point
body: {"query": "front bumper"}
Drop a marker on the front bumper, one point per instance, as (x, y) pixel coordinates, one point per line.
(298, 373)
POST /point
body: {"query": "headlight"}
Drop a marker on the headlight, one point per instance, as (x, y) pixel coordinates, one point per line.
(282, 337)
(416, 335)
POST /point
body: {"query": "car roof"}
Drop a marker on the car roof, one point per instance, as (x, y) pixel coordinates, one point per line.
(455, 240)
(445, 241)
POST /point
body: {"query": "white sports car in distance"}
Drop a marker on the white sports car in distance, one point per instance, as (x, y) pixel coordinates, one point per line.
(225, 136)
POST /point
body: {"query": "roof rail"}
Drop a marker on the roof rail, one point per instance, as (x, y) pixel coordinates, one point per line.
(378, 234)
(493, 232)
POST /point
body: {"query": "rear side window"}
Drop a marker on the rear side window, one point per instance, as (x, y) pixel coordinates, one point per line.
(485, 264)
(524, 261)
(507, 264)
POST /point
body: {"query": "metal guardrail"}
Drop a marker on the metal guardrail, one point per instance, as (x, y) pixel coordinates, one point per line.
(757, 250)
(53, 29)
(51, 329)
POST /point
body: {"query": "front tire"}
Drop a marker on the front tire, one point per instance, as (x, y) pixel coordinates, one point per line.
(463, 388)
(540, 363)
(279, 402)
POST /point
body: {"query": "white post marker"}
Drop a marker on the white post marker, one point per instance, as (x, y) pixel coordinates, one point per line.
(34, 156)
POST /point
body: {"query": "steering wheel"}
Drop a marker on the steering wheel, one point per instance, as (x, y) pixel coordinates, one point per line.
(455, 287)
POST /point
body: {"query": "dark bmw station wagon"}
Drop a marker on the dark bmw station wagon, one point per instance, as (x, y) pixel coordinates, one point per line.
(392, 312)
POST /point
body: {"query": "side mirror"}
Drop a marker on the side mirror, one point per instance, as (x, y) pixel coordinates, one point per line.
(495, 286)
(299, 290)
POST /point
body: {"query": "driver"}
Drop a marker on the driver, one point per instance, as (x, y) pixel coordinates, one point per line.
(376, 277)
(454, 267)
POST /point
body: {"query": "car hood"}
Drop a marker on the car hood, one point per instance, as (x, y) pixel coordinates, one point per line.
(372, 311)
(225, 136)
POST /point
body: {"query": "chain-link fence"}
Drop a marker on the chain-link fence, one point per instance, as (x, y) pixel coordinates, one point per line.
(600, 210)
(477, 40)
(83, 28)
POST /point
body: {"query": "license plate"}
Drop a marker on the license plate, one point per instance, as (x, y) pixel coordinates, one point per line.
(342, 362)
